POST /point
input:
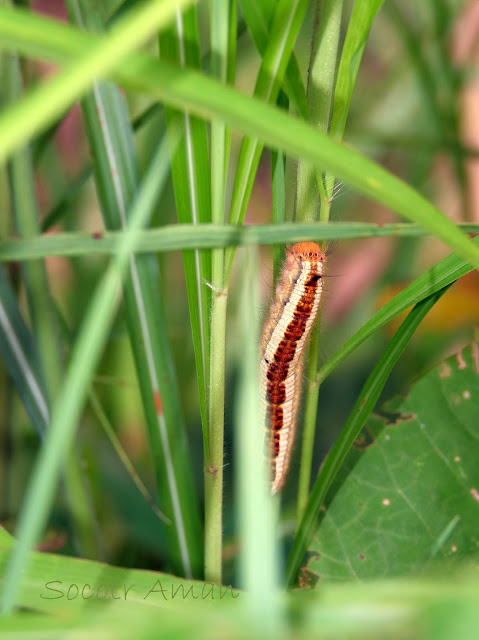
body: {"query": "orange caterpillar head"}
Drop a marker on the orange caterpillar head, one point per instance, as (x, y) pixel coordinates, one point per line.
(307, 251)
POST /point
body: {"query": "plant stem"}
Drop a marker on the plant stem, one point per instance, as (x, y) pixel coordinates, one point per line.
(220, 47)
(321, 82)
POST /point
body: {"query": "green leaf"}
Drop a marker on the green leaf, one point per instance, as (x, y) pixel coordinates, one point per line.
(60, 585)
(256, 510)
(412, 487)
(186, 236)
(440, 275)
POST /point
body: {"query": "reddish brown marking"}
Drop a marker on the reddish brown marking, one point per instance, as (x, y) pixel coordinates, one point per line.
(303, 260)
(54, 544)
(158, 403)
(97, 235)
(278, 370)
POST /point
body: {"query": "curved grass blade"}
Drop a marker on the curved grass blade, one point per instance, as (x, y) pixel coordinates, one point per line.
(40, 107)
(442, 274)
(362, 409)
(194, 92)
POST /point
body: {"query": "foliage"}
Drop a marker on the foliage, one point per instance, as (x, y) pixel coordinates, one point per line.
(126, 378)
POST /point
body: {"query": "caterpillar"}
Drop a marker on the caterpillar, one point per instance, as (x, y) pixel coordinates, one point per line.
(285, 334)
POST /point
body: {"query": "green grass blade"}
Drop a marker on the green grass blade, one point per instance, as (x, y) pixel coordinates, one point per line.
(287, 21)
(71, 192)
(186, 236)
(72, 397)
(360, 22)
(116, 169)
(311, 195)
(321, 82)
(278, 165)
(209, 99)
(362, 409)
(192, 184)
(258, 17)
(19, 354)
(259, 562)
(434, 279)
(123, 456)
(233, 35)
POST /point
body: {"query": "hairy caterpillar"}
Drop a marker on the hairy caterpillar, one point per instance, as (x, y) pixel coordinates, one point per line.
(285, 335)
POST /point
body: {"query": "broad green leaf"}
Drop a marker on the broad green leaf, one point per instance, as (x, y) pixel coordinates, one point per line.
(61, 585)
(412, 488)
